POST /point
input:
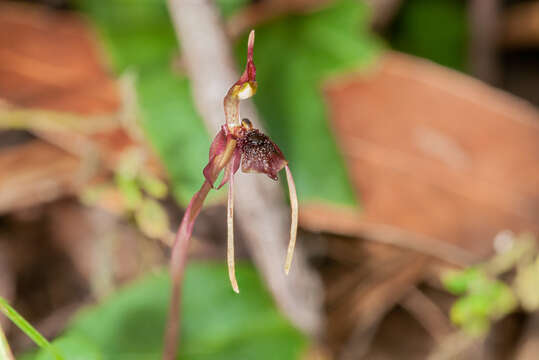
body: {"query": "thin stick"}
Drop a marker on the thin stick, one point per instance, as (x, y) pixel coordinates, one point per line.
(294, 216)
(5, 351)
(230, 235)
(427, 313)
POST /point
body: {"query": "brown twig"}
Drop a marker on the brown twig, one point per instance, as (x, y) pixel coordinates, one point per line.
(427, 313)
(346, 221)
(383, 11)
(7, 284)
(372, 302)
(456, 345)
(212, 70)
(529, 344)
(484, 24)
(360, 341)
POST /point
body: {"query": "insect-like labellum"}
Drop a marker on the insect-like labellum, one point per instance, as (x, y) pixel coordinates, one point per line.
(260, 154)
(254, 149)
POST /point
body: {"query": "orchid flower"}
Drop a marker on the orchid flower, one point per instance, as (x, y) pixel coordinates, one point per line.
(237, 143)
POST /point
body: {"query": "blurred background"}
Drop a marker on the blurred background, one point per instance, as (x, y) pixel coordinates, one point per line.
(412, 131)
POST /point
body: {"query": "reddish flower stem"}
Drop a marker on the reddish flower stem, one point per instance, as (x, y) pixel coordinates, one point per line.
(179, 253)
(177, 269)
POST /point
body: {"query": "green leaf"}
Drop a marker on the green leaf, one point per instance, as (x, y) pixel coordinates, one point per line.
(73, 347)
(476, 326)
(229, 7)
(28, 329)
(174, 128)
(458, 282)
(486, 299)
(136, 33)
(130, 191)
(471, 313)
(217, 324)
(152, 219)
(153, 185)
(293, 56)
(503, 300)
(470, 306)
(433, 29)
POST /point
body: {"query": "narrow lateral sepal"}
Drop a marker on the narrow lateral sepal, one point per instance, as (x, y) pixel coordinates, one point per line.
(294, 220)
(230, 236)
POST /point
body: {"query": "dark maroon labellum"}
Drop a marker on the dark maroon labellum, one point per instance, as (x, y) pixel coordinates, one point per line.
(260, 154)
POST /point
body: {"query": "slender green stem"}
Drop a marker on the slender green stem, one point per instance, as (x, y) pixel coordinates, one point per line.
(28, 329)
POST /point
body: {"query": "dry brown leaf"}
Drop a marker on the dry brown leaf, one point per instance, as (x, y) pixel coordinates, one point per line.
(436, 153)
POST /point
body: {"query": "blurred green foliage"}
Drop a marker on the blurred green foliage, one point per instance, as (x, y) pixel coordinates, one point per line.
(433, 29)
(138, 37)
(133, 193)
(492, 290)
(483, 299)
(292, 54)
(217, 324)
(230, 7)
(72, 347)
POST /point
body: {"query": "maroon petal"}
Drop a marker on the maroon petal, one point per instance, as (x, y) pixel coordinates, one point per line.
(218, 144)
(260, 154)
(249, 74)
(233, 168)
(216, 149)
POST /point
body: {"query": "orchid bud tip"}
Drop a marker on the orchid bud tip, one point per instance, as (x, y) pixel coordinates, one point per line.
(251, 38)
